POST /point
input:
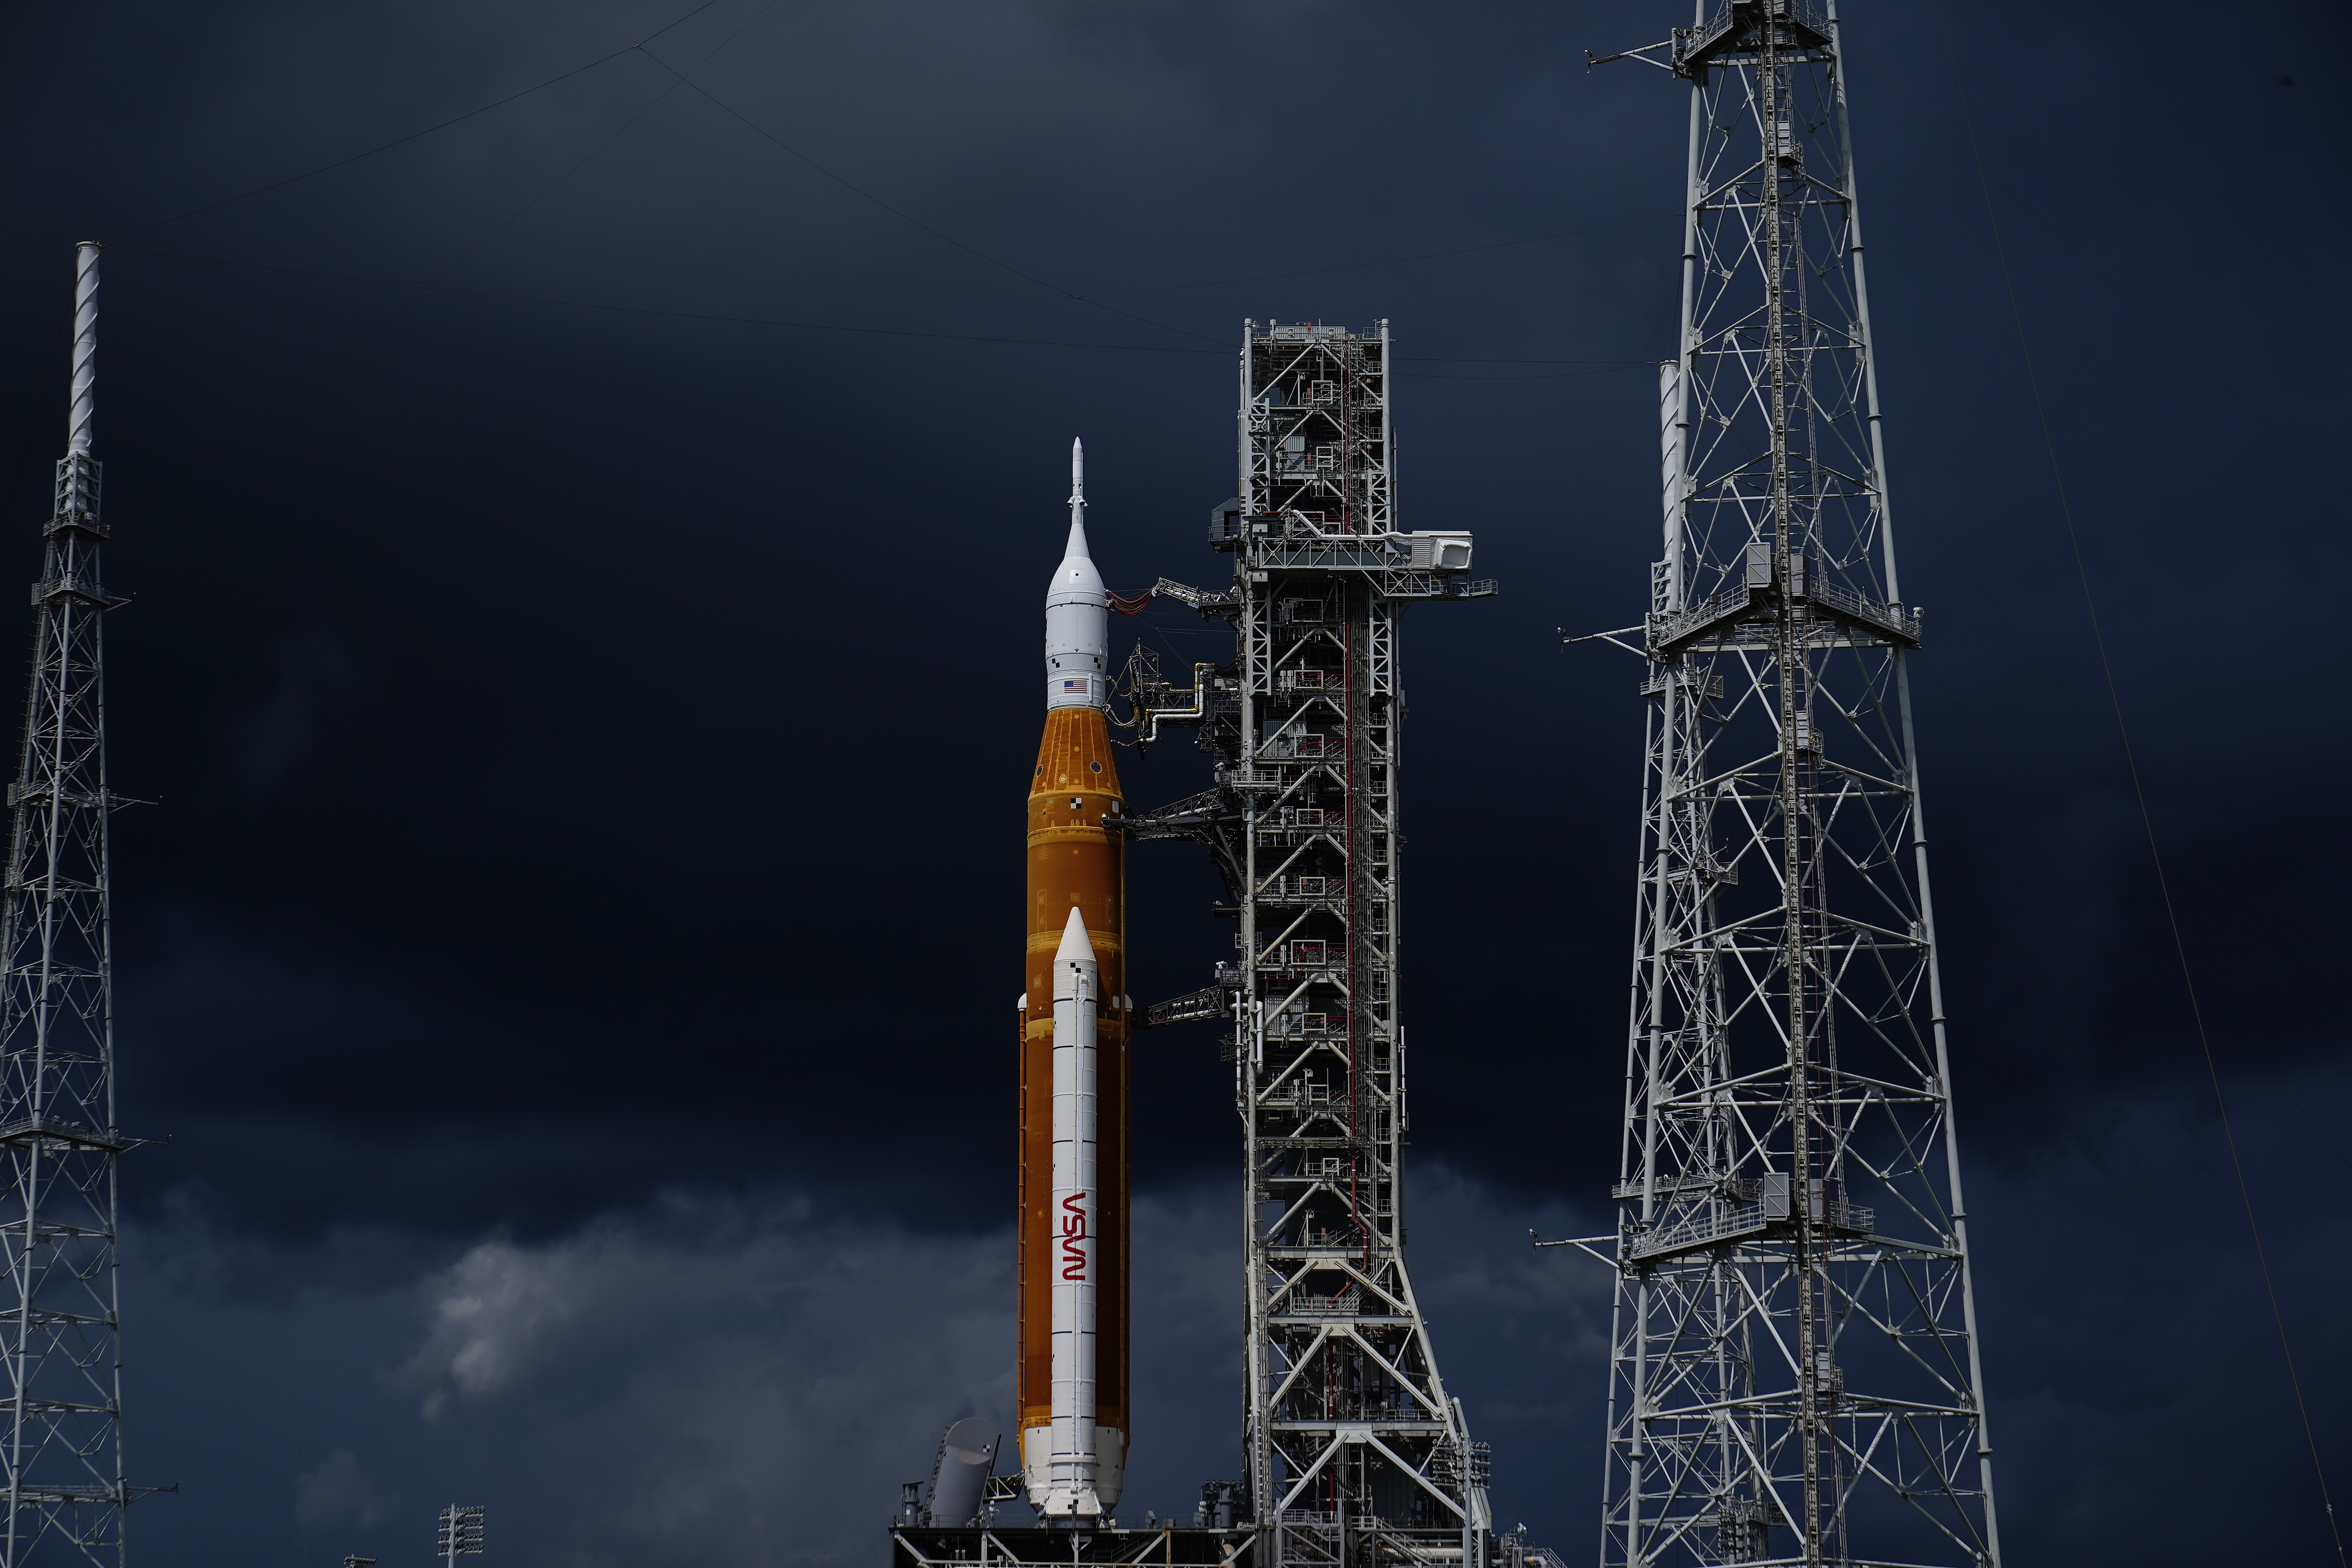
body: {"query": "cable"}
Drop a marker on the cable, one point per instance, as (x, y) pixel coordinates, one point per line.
(1999, 755)
(2316, 1127)
(1912, 508)
(2139, 792)
(1112, 293)
(1471, 358)
(412, 136)
(1393, 260)
(516, 215)
(522, 212)
(1059, 290)
(519, 298)
(846, 184)
(1556, 375)
(645, 310)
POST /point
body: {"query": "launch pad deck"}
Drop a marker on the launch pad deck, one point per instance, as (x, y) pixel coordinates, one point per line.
(1020, 1546)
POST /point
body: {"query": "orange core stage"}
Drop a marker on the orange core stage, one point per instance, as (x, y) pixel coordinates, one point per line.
(1075, 863)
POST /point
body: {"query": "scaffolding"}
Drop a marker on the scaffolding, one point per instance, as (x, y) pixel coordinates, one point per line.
(1795, 1369)
(1354, 1453)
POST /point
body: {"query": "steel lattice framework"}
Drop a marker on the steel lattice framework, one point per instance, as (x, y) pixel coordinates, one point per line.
(1355, 1454)
(1796, 1375)
(59, 1347)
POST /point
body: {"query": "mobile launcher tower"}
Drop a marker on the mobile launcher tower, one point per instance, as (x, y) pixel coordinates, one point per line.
(1354, 1455)
(1351, 1447)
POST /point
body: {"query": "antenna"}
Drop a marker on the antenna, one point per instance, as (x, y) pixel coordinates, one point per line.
(59, 1352)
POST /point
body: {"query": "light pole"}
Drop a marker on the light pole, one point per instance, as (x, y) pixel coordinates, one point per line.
(461, 1534)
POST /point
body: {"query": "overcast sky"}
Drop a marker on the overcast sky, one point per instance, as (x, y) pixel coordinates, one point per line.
(588, 562)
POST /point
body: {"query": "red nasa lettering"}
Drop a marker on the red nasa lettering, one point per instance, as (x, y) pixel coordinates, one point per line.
(1074, 1233)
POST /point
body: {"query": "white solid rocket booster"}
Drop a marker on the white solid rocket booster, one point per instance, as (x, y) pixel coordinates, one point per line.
(1070, 1482)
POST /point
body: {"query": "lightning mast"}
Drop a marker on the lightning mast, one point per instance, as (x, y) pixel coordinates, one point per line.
(1354, 1452)
(59, 1354)
(1795, 1367)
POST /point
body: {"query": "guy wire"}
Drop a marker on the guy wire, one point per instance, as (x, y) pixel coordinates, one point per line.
(2139, 792)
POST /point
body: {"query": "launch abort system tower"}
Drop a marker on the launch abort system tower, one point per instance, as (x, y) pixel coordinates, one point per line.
(1353, 1450)
(1795, 1362)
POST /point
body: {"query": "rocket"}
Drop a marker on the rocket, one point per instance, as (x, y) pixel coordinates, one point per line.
(1075, 1022)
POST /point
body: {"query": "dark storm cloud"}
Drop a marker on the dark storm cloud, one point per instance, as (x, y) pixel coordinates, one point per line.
(750, 1376)
(584, 735)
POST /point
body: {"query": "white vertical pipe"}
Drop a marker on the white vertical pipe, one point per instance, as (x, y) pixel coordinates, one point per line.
(84, 351)
(1687, 343)
(1670, 452)
(1076, 1260)
(1249, 1019)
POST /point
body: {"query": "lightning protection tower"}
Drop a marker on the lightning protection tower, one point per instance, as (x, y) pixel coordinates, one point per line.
(1795, 1372)
(58, 1322)
(1355, 1454)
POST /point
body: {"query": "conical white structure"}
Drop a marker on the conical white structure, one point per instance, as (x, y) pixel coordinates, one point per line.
(1078, 622)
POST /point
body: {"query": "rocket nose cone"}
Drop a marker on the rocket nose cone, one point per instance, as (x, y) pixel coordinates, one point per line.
(1074, 948)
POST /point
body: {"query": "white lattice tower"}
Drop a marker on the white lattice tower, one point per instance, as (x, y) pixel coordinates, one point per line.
(1795, 1368)
(62, 1452)
(1355, 1453)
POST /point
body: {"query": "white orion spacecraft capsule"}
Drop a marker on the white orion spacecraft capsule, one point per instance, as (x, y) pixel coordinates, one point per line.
(1077, 634)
